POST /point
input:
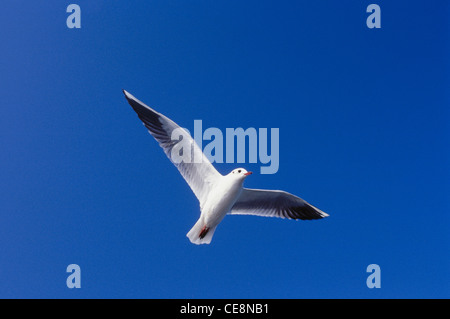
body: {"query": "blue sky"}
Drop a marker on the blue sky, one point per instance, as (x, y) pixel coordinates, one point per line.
(363, 116)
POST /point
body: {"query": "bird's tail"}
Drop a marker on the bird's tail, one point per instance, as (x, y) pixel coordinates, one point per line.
(200, 233)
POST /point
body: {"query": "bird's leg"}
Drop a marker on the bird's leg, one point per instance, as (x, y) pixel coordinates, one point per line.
(203, 232)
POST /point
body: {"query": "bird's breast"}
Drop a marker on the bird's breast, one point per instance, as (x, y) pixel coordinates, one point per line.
(220, 200)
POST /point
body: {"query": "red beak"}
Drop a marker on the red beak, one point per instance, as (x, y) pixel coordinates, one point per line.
(248, 173)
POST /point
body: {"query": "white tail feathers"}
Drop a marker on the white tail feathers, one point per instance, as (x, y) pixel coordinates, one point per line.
(199, 227)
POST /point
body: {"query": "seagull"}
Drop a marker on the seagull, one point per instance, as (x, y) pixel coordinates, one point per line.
(219, 194)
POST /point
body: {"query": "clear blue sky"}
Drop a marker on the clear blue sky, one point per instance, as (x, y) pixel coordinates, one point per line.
(364, 127)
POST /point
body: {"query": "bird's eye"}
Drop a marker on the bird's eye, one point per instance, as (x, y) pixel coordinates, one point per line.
(239, 171)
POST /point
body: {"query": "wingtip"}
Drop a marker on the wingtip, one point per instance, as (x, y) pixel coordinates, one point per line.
(129, 96)
(322, 214)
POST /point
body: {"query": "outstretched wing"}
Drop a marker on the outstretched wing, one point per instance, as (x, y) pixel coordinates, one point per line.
(274, 203)
(198, 172)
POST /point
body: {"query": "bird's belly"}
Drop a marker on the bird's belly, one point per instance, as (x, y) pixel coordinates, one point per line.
(219, 205)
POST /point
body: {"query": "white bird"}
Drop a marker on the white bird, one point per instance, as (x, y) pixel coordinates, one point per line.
(219, 195)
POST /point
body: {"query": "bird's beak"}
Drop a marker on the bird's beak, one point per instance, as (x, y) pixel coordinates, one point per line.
(248, 173)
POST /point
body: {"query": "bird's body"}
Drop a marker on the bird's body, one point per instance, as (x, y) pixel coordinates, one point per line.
(219, 195)
(221, 199)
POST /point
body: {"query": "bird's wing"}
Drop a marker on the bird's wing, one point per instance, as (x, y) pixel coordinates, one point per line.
(199, 174)
(274, 203)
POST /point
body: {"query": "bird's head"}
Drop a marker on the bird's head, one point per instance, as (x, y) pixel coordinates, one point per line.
(239, 173)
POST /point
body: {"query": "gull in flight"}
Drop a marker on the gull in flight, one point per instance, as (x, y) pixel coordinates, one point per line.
(219, 195)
